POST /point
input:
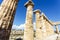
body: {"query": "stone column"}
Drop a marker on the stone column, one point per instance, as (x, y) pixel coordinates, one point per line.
(43, 26)
(28, 29)
(3, 6)
(7, 18)
(57, 30)
(38, 25)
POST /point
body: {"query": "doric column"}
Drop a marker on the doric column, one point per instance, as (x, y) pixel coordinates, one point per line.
(57, 30)
(28, 29)
(7, 18)
(38, 25)
(43, 26)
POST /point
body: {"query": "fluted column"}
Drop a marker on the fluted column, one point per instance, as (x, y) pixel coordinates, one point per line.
(38, 25)
(3, 6)
(57, 30)
(28, 29)
(7, 18)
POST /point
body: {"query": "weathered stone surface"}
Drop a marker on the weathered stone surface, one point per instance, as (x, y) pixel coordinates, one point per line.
(28, 29)
(38, 25)
(44, 29)
(48, 26)
(16, 34)
(7, 13)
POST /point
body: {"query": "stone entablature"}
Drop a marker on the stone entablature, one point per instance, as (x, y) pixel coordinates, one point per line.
(45, 17)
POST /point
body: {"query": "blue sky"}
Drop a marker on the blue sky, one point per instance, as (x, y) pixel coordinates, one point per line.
(51, 9)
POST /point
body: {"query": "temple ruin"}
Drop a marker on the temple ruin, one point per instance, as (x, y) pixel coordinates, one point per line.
(44, 27)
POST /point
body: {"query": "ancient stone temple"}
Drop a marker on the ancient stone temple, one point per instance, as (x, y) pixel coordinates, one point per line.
(44, 27)
(7, 13)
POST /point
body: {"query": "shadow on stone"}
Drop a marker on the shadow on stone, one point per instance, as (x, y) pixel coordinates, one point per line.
(19, 39)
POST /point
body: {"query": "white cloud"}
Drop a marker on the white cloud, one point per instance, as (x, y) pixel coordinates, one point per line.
(21, 26)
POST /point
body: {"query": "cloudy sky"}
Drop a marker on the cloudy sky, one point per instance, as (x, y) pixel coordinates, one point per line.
(51, 8)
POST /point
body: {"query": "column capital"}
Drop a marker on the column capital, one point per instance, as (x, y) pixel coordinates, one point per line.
(29, 3)
(39, 11)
